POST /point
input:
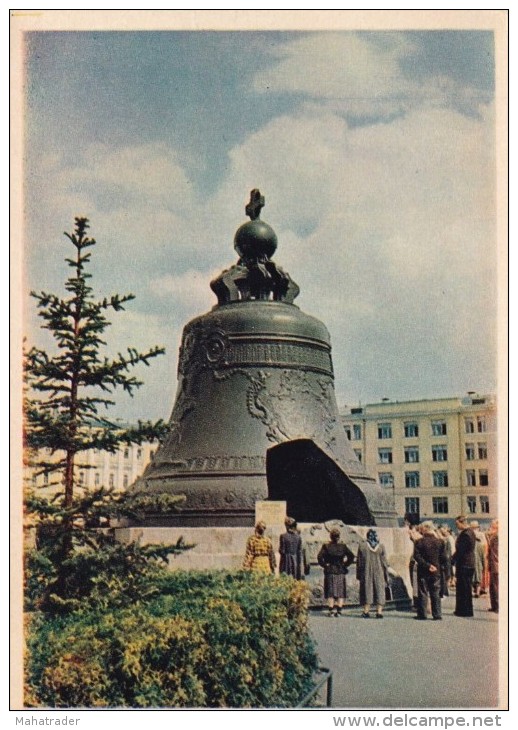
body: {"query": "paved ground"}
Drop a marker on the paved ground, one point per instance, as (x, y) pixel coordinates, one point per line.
(401, 663)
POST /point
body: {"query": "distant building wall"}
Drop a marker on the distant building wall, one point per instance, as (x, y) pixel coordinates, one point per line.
(438, 456)
(95, 468)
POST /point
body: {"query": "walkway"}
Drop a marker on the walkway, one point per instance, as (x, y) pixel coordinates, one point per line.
(401, 663)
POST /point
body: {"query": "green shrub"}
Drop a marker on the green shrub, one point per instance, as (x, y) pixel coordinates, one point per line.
(202, 640)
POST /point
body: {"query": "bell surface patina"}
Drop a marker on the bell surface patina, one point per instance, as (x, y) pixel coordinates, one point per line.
(255, 415)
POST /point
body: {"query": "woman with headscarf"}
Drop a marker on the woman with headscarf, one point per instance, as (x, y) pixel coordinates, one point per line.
(290, 550)
(372, 572)
(335, 557)
(259, 555)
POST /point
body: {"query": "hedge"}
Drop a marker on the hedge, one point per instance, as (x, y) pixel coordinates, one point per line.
(215, 639)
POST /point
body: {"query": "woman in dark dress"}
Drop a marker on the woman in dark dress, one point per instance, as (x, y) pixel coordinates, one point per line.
(290, 549)
(335, 557)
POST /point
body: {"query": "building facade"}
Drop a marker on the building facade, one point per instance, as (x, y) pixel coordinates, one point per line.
(439, 457)
(95, 468)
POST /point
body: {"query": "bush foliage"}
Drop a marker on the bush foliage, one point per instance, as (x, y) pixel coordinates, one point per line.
(199, 640)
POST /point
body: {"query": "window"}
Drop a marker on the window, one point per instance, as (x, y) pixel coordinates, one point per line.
(481, 424)
(412, 505)
(97, 479)
(385, 456)
(469, 425)
(411, 479)
(125, 481)
(484, 505)
(483, 478)
(440, 478)
(472, 504)
(126, 453)
(386, 479)
(439, 453)
(384, 430)
(139, 453)
(111, 480)
(46, 478)
(470, 452)
(438, 428)
(357, 432)
(440, 505)
(347, 430)
(358, 453)
(411, 430)
(81, 478)
(471, 479)
(411, 454)
(482, 451)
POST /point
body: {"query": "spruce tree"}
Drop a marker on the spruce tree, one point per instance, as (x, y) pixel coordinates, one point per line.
(67, 399)
(76, 381)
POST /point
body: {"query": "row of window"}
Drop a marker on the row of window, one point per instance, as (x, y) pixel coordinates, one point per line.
(411, 428)
(82, 479)
(439, 453)
(439, 478)
(440, 505)
(411, 454)
(472, 452)
(127, 452)
(412, 479)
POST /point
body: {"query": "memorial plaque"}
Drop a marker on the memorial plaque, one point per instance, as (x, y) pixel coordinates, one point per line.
(271, 512)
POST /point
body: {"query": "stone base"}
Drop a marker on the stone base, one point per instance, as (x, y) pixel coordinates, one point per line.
(223, 548)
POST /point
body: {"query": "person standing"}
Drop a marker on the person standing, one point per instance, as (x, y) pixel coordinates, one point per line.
(480, 558)
(430, 557)
(414, 533)
(259, 555)
(372, 572)
(492, 541)
(290, 549)
(335, 557)
(446, 571)
(464, 561)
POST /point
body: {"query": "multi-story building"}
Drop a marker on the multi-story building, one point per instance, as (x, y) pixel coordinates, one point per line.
(95, 468)
(438, 456)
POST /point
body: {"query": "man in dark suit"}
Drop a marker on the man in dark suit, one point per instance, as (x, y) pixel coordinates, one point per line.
(430, 557)
(464, 560)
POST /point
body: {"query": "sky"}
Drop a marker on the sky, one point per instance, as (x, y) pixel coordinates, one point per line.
(375, 152)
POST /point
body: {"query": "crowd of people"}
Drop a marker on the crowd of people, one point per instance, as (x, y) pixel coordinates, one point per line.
(440, 563)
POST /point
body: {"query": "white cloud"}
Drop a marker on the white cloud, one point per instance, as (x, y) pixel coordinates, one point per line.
(387, 228)
(337, 66)
(358, 75)
(389, 231)
(190, 290)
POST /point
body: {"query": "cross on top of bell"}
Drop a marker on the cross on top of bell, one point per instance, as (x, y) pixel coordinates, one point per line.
(253, 208)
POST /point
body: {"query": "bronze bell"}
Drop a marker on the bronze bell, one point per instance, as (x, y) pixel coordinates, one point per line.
(255, 415)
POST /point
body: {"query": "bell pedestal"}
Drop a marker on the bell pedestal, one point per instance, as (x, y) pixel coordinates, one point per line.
(223, 548)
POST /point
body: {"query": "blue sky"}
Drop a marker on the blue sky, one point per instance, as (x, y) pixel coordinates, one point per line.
(375, 152)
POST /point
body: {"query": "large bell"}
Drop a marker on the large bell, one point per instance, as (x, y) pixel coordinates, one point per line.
(255, 415)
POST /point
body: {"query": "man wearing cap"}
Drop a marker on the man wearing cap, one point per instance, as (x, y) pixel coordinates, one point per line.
(464, 560)
(430, 556)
